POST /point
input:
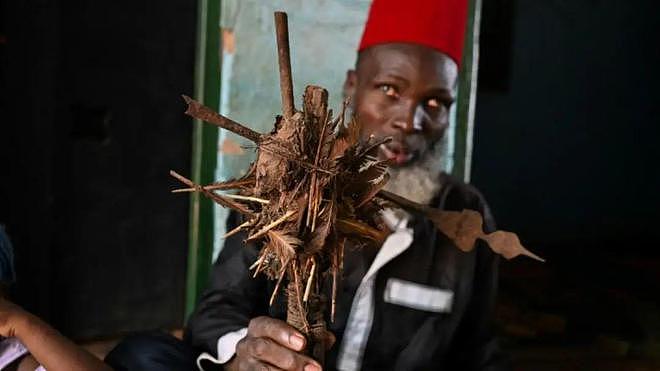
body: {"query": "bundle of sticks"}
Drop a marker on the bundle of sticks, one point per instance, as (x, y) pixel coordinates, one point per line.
(314, 186)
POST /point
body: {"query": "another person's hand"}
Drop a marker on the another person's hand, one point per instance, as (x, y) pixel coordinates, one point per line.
(271, 344)
(47, 347)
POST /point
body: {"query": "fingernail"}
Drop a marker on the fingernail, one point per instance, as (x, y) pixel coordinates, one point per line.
(311, 367)
(297, 341)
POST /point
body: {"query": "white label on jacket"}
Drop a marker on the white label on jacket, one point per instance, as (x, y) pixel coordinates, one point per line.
(417, 296)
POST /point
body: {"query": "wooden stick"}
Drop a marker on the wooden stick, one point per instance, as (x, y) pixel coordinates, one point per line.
(315, 107)
(215, 197)
(259, 265)
(342, 245)
(237, 229)
(310, 279)
(310, 200)
(279, 281)
(272, 225)
(200, 111)
(403, 202)
(247, 198)
(218, 186)
(301, 309)
(356, 227)
(256, 271)
(256, 264)
(334, 290)
(284, 60)
(316, 207)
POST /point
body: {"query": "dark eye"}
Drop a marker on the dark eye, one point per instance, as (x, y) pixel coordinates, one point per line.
(389, 90)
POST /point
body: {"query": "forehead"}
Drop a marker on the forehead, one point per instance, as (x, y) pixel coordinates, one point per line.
(417, 64)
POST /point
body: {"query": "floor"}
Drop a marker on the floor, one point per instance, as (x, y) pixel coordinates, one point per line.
(598, 314)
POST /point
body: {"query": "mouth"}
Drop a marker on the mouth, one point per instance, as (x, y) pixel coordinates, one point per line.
(396, 153)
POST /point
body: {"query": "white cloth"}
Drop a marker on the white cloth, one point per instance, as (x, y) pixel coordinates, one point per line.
(12, 349)
(226, 348)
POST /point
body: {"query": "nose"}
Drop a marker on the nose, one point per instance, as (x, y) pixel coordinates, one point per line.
(411, 119)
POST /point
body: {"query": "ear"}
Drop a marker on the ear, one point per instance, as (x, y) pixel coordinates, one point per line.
(350, 84)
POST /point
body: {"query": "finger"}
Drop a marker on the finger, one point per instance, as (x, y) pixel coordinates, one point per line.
(329, 340)
(277, 330)
(256, 365)
(268, 351)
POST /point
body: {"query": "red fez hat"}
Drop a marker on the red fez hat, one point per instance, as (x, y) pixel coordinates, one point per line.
(438, 24)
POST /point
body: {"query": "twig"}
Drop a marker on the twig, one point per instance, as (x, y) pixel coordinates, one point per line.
(215, 197)
(218, 186)
(261, 262)
(237, 229)
(279, 281)
(354, 227)
(334, 289)
(310, 279)
(374, 189)
(272, 225)
(248, 198)
(301, 309)
(373, 145)
(403, 202)
(256, 264)
(304, 164)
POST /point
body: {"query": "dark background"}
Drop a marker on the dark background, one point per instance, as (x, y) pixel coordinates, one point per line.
(565, 152)
(567, 131)
(90, 124)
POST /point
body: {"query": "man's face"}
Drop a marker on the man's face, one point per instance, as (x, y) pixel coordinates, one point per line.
(403, 91)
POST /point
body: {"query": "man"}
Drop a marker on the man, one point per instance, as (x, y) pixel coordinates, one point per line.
(417, 302)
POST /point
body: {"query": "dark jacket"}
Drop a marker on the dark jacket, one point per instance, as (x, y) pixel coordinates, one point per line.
(401, 338)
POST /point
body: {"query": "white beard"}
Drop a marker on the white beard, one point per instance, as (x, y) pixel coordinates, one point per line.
(419, 181)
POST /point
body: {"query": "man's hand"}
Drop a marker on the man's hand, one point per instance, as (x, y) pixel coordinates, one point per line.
(271, 344)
